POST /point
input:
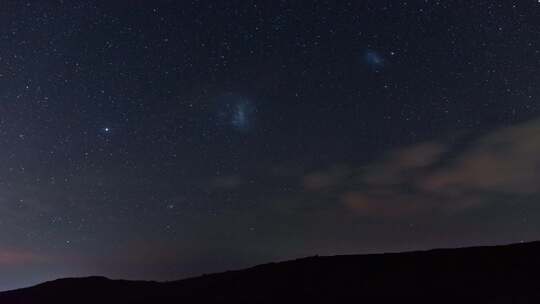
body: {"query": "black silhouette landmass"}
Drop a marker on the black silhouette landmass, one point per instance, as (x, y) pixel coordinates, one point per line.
(497, 274)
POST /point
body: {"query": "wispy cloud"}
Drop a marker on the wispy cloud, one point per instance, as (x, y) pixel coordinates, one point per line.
(16, 257)
(440, 176)
(506, 160)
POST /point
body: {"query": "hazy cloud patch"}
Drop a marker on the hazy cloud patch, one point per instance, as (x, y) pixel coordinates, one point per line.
(425, 178)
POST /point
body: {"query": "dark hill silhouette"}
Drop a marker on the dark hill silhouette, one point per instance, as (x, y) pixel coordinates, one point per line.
(497, 274)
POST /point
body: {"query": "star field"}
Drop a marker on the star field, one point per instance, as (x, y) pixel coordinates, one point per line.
(160, 139)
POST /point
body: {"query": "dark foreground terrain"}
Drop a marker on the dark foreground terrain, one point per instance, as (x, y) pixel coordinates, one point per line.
(500, 274)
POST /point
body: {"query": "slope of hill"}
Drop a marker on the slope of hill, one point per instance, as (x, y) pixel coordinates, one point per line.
(498, 274)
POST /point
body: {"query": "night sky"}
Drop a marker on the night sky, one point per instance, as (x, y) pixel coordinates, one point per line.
(161, 139)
